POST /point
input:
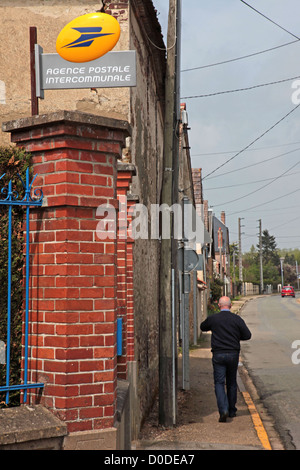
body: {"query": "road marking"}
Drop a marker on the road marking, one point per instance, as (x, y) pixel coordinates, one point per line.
(259, 427)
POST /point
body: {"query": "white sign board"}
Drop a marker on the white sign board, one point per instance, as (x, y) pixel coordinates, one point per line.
(113, 70)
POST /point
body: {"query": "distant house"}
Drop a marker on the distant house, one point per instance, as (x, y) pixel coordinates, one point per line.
(221, 265)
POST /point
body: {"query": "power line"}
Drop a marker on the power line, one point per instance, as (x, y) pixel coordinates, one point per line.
(277, 209)
(250, 150)
(269, 19)
(249, 182)
(251, 143)
(264, 203)
(259, 189)
(288, 236)
(238, 58)
(254, 164)
(287, 222)
(239, 89)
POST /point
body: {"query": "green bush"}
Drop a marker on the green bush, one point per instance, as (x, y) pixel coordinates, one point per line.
(12, 162)
(216, 289)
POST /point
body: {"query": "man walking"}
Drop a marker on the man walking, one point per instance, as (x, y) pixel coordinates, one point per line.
(228, 329)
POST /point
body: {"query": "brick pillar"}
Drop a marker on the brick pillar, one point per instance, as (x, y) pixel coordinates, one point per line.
(124, 179)
(73, 273)
(132, 200)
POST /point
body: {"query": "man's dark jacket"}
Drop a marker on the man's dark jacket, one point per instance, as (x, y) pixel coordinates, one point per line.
(228, 329)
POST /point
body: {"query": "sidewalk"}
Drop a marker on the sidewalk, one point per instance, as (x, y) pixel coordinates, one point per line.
(198, 427)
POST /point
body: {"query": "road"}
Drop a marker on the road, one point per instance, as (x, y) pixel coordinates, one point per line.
(272, 361)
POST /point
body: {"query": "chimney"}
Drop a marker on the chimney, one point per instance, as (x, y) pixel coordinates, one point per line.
(206, 222)
(223, 217)
(197, 182)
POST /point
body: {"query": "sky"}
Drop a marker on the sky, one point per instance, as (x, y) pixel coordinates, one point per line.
(246, 142)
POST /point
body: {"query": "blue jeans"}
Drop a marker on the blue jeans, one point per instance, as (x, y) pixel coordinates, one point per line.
(225, 371)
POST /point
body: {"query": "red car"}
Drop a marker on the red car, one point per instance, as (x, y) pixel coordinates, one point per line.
(287, 291)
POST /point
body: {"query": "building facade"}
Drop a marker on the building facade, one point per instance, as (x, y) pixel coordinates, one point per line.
(141, 106)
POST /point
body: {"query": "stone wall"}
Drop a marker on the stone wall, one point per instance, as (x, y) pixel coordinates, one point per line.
(142, 107)
(147, 153)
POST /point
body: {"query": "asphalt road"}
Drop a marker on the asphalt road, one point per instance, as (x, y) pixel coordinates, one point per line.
(272, 361)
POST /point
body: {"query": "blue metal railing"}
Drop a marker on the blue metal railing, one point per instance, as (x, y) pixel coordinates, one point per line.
(12, 198)
(119, 336)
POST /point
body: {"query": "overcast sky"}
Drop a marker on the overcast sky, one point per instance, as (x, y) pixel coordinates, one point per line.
(225, 124)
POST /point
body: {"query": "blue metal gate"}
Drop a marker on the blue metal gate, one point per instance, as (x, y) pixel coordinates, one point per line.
(11, 198)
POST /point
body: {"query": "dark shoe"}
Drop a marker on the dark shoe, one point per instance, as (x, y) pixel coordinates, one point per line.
(223, 418)
(232, 415)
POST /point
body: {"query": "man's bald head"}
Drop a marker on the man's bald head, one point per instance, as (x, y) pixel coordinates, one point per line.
(224, 303)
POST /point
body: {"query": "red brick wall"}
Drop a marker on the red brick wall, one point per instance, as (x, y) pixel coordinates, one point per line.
(130, 286)
(73, 274)
(125, 267)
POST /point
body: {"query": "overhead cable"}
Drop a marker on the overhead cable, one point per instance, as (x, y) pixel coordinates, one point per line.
(287, 222)
(239, 89)
(269, 19)
(251, 150)
(258, 189)
(254, 164)
(239, 58)
(264, 203)
(253, 141)
(248, 182)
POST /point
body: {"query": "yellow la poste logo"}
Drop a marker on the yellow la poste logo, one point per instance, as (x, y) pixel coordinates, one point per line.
(88, 37)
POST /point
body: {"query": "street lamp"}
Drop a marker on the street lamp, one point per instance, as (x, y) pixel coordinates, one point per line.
(281, 267)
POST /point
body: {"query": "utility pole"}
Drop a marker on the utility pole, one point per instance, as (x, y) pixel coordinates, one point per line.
(261, 260)
(186, 284)
(233, 262)
(169, 248)
(220, 246)
(240, 252)
(34, 99)
(281, 269)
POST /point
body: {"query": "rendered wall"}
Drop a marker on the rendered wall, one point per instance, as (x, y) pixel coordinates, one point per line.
(49, 16)
(142, 106)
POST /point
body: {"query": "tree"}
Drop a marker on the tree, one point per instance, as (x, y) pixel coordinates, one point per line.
(251, 266)
(271, 274)
(290, 276)
(216, 289)
(271, 262)
(290, 259)
(269, 249)
(233, 251)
